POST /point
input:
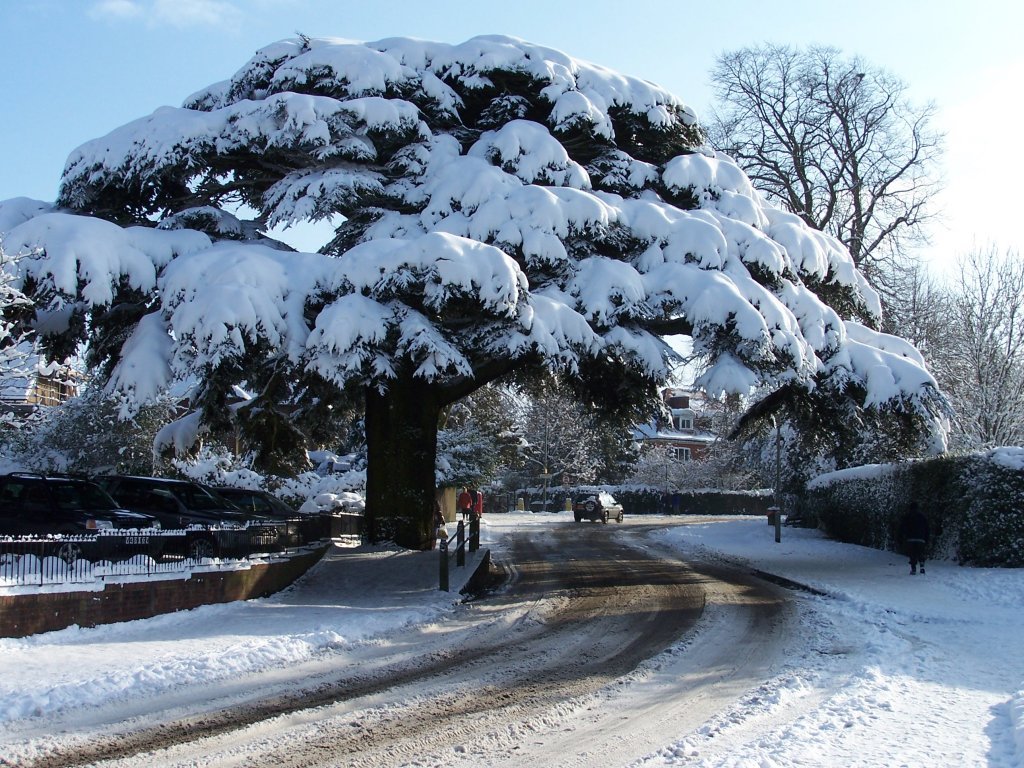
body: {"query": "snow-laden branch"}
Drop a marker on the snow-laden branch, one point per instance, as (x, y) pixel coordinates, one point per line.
(503, 202)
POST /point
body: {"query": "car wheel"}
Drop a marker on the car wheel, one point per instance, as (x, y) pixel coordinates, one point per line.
(69, 551)
(579, 517)
(619, 518)
(590, 506)
(604, 518)
(201, 549)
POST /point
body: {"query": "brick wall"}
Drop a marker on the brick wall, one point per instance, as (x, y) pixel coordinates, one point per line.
(29, 614)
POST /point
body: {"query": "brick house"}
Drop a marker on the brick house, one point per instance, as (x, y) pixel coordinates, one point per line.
(678, 433)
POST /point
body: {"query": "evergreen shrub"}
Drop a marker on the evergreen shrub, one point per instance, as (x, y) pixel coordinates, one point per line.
(974, 503)
(647, 500)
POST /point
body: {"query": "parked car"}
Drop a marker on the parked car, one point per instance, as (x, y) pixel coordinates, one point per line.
(222, 527)
(175, 503)
(597, 506)
(254, 502)
(74, 519)
(34, 504)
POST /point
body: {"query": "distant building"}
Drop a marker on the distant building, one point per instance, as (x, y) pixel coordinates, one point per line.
(678, 434)
(37, 384)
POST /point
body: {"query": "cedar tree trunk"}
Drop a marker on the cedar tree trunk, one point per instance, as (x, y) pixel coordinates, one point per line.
(401, 442)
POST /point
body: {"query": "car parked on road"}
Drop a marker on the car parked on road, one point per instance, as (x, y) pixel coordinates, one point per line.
(38, 504)
(597, 506)
(76, 518)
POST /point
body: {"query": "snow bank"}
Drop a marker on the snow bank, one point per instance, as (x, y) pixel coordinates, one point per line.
(1017, 717)
(1010, 457)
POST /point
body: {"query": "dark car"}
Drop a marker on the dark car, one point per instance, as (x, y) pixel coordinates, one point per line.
(182, 504)
(254, 502)
(175, 503)
(34, 504)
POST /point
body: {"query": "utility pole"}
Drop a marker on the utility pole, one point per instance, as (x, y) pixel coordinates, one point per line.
(778, 475)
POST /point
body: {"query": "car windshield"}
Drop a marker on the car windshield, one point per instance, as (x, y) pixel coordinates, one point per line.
(252, 501)
(196, 497)
(80, 495)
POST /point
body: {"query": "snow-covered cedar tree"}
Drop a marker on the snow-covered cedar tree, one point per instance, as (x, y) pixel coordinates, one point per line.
(503, 207)
(16, 351)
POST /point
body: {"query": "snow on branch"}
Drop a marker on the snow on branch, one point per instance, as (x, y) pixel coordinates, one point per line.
(500, 200)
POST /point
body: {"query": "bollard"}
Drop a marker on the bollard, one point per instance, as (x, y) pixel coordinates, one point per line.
(443, 548)
(474, 534)
(460, 545)
(775, 519)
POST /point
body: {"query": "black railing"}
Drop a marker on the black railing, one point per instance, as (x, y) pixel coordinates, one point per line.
(29, 561)
(459, 537)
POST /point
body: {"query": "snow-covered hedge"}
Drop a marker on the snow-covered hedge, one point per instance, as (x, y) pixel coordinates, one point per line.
(975, 503)
(642, 499)
(309, 492)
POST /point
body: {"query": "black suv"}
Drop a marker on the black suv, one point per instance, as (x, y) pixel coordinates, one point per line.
(33, 504)
(258, 503)
(175, 503)
(183, 504)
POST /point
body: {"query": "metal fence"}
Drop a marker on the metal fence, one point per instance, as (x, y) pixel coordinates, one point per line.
(38, 561)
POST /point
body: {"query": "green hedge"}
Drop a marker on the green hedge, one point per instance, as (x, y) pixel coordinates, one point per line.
(974, 502)
(645, 500)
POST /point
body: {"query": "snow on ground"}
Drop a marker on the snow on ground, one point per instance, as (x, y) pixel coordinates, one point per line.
(907, 670)
(351, 596)
(891, 669)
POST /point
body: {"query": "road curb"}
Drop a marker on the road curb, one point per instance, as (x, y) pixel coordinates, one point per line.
(482, 580)
(782, 581)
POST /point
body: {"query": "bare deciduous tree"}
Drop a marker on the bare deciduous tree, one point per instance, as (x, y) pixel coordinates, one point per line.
(981, 368)
(919, 310)
(834, 140)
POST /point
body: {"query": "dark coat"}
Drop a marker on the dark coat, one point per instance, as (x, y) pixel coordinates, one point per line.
(914, 526)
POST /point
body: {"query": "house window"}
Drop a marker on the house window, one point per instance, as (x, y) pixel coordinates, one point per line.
(679, 454)
(682, 422)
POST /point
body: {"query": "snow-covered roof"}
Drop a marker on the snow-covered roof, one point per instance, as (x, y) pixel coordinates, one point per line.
(656, 433)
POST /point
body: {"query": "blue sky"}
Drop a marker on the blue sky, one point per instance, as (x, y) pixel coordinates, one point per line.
(72, 70)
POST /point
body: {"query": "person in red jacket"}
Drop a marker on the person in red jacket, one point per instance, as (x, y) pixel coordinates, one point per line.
(465, 503)
(478, 504)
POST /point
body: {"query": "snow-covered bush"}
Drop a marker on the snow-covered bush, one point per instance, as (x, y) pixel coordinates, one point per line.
(975, 503)
(85, 435)
(308, 492)
(649, 500)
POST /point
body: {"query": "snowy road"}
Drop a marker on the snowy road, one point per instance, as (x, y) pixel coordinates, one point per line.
(494, 683)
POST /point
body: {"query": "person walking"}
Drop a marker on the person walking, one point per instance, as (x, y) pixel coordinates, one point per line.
(478, 504)
(439, 523)
(915, 532)
(465, 503)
